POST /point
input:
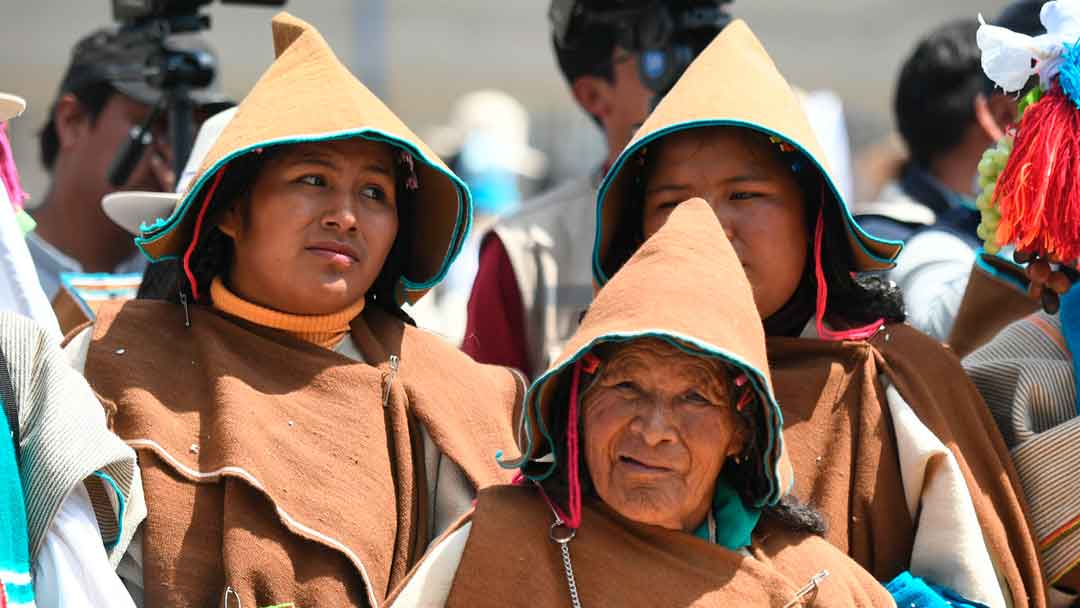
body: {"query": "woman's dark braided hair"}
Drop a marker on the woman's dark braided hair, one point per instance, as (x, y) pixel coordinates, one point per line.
(743, 476)
(854, 299)
(214, 252)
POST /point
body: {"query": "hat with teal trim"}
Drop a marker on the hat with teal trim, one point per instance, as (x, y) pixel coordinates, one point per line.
(308, 95)
(734, 83)
(645, 300)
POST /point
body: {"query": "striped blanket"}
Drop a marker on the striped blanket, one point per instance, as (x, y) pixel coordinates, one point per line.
(1026, 375)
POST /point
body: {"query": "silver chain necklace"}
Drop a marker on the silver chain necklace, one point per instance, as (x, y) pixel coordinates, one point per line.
(561, 535)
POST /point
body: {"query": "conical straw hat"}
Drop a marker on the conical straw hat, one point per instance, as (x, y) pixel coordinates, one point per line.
(308, 95)
(645, 299)
(733, 82)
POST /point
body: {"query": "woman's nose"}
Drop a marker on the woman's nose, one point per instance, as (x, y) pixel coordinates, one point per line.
(727, 216)
(655, 424)
(340, 216)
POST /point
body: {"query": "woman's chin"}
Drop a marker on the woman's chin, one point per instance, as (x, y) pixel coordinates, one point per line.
(650, 507)
(321, 298)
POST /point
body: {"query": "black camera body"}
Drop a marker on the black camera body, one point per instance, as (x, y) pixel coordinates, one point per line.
(135, 11)
(171, 68)
(132, 11)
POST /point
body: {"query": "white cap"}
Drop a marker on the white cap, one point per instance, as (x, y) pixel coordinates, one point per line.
(130, 210)
(11, 106)
(499, 119)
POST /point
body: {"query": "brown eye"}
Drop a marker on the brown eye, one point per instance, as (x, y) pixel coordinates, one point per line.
(375, 193)
(696, 397)
(744, 196)
(313, 180)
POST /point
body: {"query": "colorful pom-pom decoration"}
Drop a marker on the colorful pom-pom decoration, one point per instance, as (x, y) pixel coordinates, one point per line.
(1028, 198)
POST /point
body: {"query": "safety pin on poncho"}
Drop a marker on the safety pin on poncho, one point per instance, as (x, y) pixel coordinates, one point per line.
(807, 589)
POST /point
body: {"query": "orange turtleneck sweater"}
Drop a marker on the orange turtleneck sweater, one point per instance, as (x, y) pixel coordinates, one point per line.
(324, 330)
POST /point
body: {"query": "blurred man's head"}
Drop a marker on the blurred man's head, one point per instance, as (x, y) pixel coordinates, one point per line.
(103, 95)
(102, 98)
(944, 104)
(617, 62)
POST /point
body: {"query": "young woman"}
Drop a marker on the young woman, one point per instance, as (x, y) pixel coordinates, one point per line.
(300, 441)
(887, 437)
(655, 461)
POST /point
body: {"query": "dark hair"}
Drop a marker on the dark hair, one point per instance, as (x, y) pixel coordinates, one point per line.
(936, 90)
(1022, 16)
(92, 98)
(853, 299)
(213, 254)
(588, 49)
(743, 476)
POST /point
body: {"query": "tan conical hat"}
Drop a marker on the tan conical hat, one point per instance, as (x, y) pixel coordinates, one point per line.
(308, 95)
(645, 299)
(733, 82)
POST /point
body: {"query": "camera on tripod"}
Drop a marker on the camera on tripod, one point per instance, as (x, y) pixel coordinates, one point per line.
(172, 68)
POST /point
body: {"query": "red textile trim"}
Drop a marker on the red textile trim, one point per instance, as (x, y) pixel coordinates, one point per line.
(855, 333)
(195, 237)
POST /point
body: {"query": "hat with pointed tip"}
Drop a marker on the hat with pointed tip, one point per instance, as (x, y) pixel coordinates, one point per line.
(307, 95)
(734, 83)
(705, 310)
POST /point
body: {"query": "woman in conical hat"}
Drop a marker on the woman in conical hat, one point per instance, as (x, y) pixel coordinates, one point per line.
(653, 471)
(300, 441)
(887, 437)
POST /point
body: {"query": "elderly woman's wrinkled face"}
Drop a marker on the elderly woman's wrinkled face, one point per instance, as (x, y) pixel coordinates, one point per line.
(317, 227)
(658, 426)
(754, 195)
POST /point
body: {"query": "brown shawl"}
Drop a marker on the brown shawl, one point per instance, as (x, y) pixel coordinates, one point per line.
(841, 443)
(509, 557)
(995, 297)
(283, 470)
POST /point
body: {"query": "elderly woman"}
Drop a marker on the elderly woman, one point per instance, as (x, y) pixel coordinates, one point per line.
(300, 442)
(887, 436)
(655, 462)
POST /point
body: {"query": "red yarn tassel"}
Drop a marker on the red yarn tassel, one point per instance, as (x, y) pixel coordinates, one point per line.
(1036, 193)
(195, 237)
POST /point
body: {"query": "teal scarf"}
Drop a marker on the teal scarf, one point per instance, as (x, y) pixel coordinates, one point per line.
(734, 520)
(15, 583)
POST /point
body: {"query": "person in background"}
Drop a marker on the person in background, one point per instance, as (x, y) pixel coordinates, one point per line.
(101, 98)
(948, 113)
(533, 280)
(486, 142)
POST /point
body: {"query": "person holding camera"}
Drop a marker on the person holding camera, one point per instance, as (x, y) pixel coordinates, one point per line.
(103, 96)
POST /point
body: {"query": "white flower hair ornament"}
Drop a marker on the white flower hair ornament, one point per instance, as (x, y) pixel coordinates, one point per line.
(1028, 199)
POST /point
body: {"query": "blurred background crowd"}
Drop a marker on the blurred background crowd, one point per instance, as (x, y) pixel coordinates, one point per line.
(423, 57)
(479, 81)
